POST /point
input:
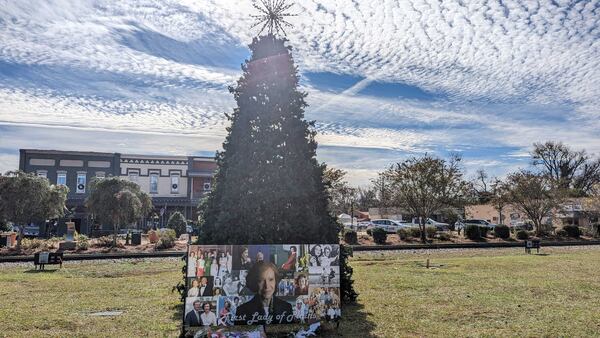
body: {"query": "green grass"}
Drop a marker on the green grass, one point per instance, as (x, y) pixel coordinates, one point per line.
(59, 303)
(500, 292)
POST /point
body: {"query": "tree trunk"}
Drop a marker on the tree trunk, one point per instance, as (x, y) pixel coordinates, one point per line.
(423, 233)
(115, 227)
(500, 215)
(20, 237)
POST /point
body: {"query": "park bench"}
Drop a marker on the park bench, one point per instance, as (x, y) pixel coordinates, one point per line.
(532, 244)
(42, 258)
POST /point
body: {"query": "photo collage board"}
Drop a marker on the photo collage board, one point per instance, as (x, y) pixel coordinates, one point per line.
(229, 285)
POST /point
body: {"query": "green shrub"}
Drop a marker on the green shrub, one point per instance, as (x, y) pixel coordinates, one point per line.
(83, 242)
(177, 222)
(444, 236)
(402, 234)
(473, 232)
(166, 239)
(522, 234)
(502, 231)
(5, 226)
(350, 237)
(562, 233)
(414, 232)
(588, 231)
(595, 229)
(430, 231)
(483, 231)
(379, 235)
(572, 231)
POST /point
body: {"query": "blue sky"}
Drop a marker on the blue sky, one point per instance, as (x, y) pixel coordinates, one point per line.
(386, 79)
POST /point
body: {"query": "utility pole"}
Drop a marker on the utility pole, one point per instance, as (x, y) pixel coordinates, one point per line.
(352, 213)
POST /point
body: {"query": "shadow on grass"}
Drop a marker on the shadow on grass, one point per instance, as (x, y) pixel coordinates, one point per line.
(177, 312)
(40, 271)
(354, 323)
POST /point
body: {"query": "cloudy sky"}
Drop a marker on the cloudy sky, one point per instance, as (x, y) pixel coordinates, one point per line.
(386, 79)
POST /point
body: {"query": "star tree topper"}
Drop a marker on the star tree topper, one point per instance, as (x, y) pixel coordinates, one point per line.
(272, 16)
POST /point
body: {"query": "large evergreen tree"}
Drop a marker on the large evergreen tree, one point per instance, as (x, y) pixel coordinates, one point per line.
(269, 186)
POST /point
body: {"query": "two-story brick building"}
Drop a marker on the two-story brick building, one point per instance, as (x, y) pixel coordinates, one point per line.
(175, 183)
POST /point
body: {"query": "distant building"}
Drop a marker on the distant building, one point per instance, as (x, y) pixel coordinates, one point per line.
(575, 211)
(175, 183)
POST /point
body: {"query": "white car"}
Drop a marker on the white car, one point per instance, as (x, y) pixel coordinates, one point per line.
(439, 225)
(390, 225)
(479, 222)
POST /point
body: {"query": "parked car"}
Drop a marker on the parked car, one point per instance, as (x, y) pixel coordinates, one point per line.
(440, 226)
(362, 225)
(31, 230)
(520, 225)
(478, 222)
(390, 225)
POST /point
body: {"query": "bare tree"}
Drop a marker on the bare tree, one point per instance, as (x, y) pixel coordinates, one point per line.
(481, 187)
(426, 185)
(341, 194)
(499, 197)
(533, 194)
(366, 198)
(573, 171)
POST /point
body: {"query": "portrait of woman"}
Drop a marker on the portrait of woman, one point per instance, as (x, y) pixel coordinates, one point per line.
(229, 261)
(191, 264)
(263, 279)
(194, 290)
(222, 264)
(301, 285)
(214, 266)
(260, 256)
(327, 259)
(245, 261)
(229, 286)
(316, 253)
(225, 315)
(200, 265)
(207, 263)
(217, 282)
(290, 264)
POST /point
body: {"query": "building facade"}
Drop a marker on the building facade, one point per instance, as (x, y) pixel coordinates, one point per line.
(576, 211)
(175, 183)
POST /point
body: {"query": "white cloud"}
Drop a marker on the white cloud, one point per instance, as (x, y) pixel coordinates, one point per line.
(145, 66)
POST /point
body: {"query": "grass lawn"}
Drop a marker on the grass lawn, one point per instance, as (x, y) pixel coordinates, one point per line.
(497, 292)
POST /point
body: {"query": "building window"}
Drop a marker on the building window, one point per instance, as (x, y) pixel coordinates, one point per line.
(153, 183)
(174, 184)
(81, 178)
(207, 186)
(42, 173)
(133, 177)
(61, 179)
(100, 175)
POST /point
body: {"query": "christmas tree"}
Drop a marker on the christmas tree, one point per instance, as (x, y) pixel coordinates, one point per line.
(269, 185)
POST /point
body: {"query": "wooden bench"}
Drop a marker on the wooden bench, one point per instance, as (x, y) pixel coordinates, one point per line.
(42, 258)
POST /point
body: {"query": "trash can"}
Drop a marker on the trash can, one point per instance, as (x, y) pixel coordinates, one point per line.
(136, 238)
